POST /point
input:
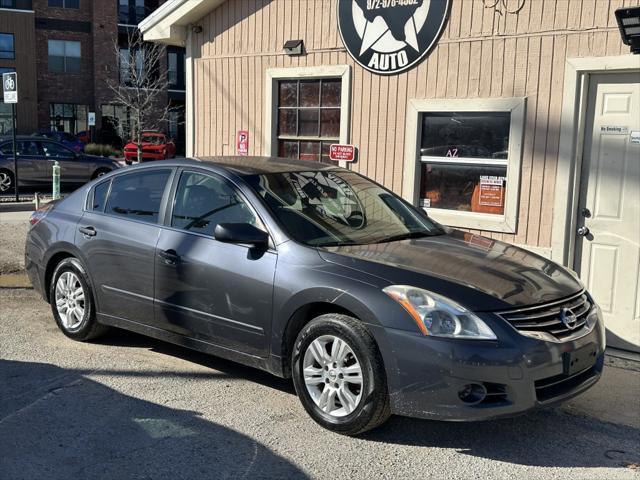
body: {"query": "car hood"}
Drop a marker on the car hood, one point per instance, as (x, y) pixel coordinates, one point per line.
(477, 272)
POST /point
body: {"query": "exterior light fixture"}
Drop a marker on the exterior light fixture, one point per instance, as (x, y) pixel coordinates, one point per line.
(294, 47)
(629, 25)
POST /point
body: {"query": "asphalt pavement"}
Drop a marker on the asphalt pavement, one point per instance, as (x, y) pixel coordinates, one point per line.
(129, 407)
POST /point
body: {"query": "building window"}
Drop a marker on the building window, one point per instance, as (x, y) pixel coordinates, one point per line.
(68, 117)
(464, 161)
(469, 160)
(308, 110)
(64, 56)
(175, 68)
(7, 47)
(17, 4)
(308, 118)
(116, 123)
(64, 3)
(132, 12)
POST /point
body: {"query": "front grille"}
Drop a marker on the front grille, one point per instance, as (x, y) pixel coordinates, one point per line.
(550, 388)
(547, 318)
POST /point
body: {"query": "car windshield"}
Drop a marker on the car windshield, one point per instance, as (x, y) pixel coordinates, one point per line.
(154, 139)
(338, 207)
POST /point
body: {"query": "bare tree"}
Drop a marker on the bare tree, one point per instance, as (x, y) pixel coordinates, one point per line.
(141, 85)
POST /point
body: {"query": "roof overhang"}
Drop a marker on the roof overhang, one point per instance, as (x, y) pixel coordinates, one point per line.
(169, 23)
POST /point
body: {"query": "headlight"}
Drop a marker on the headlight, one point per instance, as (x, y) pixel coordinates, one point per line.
(438, 316)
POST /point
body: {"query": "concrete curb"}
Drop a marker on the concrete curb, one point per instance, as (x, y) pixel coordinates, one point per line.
(15, 280)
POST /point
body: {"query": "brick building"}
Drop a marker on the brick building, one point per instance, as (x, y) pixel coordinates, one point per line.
(65, 54)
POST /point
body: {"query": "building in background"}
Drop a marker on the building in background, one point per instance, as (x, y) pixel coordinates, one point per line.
(517, 120)
(65, 54)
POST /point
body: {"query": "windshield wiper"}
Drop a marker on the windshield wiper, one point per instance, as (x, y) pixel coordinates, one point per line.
(405, 236)
(336, 244)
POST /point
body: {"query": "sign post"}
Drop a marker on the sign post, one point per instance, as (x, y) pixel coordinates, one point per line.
(10, 94)
(91, 122)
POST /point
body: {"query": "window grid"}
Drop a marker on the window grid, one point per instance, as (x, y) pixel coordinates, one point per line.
(307, 146)
(64, 56)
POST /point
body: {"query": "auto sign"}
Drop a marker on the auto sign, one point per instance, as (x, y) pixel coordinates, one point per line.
(390, 36)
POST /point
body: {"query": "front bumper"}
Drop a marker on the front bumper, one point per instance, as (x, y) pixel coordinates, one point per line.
(519, 373)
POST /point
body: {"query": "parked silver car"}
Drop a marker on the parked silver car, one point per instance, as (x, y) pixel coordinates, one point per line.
(36, 157)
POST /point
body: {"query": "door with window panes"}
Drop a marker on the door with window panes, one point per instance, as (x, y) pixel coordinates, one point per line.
(464, 158)
(308, 118)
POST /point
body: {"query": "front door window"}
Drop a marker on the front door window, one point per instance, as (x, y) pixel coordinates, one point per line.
(203, 201)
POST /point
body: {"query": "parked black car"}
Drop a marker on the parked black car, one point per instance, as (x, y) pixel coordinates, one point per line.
(317, 273)
(35, 161)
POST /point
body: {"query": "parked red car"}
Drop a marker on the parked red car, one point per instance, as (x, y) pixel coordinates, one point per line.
(155, 146)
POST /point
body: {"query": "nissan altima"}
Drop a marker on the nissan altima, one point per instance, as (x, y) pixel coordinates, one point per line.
(316, 273)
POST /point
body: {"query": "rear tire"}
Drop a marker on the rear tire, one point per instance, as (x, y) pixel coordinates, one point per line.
(72, 304)
(339, 375)
(6, 181)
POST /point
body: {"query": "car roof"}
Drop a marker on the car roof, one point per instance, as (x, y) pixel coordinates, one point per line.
(4, 138)
(262, 165)
(242, 166)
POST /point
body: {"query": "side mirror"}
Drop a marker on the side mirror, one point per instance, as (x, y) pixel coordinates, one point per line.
(243, 233)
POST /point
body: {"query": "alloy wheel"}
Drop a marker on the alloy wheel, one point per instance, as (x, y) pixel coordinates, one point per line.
(70, 300)
(332, 375)
(5, 182)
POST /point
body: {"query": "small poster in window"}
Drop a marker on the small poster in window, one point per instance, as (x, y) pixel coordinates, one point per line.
(491, 191)
(425, 202)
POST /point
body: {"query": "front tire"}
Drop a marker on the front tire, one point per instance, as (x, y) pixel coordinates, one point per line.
(339, 375)
(72, 303)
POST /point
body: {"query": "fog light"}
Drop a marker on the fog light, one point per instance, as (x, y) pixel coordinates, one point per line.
(472, 393)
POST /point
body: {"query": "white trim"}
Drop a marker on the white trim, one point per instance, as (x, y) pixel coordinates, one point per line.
(189, 117)
(17, 10)
(574, 107)
(412, 161)
(169, 23)
(329, 71)
(173, 90)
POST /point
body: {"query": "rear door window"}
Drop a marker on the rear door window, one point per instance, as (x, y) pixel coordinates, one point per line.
(138, 195)
(55, 150)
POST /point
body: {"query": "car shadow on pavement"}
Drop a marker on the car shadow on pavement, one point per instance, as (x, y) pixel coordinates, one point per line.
(117, 337)
(56, 423)
(548, 437)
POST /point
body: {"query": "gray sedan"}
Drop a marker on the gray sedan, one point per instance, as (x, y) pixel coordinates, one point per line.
(315, 273)
(36, 157)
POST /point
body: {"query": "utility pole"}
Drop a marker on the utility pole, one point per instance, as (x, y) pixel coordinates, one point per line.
(15, 152)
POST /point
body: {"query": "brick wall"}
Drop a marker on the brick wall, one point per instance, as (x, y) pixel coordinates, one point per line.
(64, 87)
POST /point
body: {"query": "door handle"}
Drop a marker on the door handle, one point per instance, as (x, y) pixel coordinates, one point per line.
(88, 231)
(583, 231)
(170, 256)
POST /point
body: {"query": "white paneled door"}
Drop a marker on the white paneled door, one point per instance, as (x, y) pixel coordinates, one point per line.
(608, 243)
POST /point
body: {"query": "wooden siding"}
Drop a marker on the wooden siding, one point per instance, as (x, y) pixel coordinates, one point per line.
(483, 52)
(21, 24)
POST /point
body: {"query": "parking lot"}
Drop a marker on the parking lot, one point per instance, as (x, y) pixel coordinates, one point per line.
(132, 407)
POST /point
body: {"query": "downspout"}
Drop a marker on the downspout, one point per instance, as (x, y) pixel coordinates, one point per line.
(189, 96)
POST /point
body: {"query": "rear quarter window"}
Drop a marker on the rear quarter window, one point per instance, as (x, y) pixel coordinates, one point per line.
(138, 195)
(99, 196)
